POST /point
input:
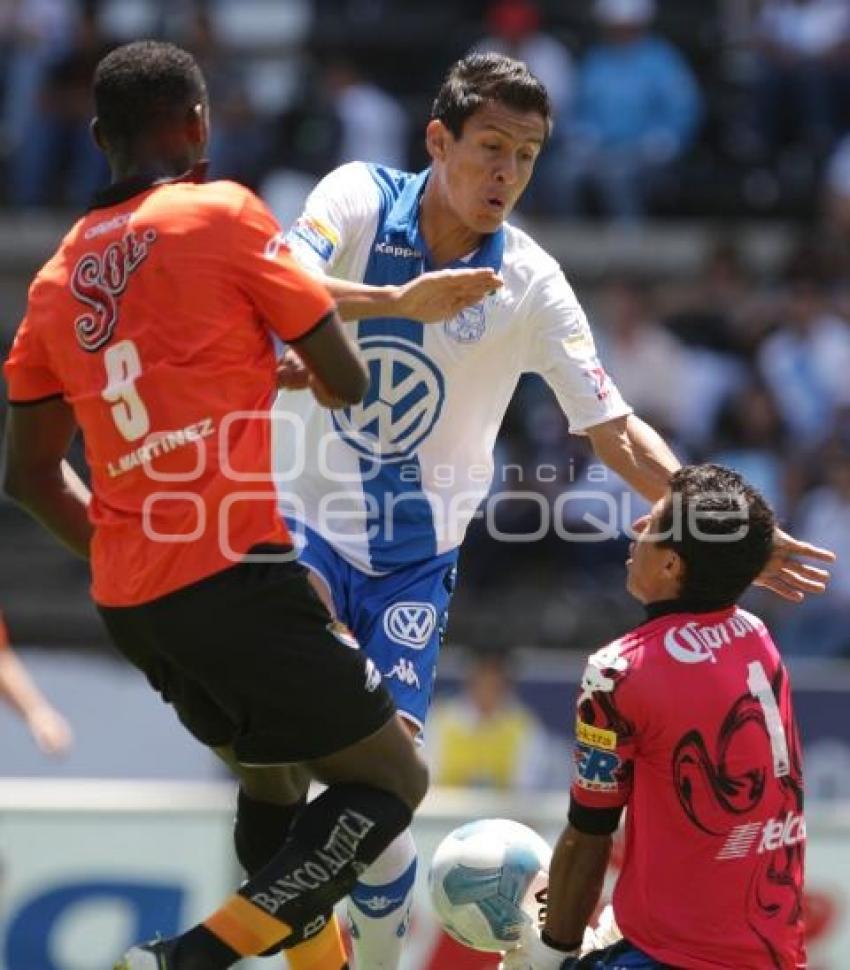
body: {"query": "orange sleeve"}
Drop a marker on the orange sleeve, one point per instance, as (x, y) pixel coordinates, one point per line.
(4, 634)
(27, 370)
(288, 299)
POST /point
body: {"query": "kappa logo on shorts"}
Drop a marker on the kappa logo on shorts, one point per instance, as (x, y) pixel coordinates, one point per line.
(405, 672)
(410, 624)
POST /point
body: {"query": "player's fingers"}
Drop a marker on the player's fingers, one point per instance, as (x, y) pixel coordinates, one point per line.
(795, 547)
(794, 577)
(798, 548)
(812, 572)
(779, 586)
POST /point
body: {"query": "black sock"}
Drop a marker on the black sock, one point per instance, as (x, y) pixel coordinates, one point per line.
(333, 840)
(259, 833)
(261, 829)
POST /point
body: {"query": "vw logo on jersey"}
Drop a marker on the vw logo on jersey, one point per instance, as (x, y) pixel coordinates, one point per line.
(401, 407)
(468, 326)
(411, 624)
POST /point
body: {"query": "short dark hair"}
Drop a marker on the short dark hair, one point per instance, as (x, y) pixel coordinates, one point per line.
(719, 502)
(478, 78)
(140, 84)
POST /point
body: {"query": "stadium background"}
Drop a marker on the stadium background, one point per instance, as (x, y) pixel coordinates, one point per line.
(722, 311)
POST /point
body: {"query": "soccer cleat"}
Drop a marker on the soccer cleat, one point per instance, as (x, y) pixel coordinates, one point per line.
(146, 956)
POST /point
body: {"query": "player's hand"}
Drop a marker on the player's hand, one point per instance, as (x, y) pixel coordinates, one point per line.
(50, 731)
(443, 293)
(790, 578)
(533, 954)
(292, 375)
(606, 932)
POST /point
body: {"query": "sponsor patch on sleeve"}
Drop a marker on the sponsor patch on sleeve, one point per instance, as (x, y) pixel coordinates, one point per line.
(319, 236)
(595, 737)
(596, 770)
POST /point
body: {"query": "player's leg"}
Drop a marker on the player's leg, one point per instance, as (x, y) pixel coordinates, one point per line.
(268, 802)
(328, 575)
(259, 642)
(400, 620)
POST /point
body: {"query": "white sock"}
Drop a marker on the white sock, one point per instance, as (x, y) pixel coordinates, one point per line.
(379, 906)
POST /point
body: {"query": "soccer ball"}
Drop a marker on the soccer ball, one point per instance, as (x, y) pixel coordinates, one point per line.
(487, 880)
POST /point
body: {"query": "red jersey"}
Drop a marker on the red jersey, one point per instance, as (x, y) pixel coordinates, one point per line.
(154, 321)
(688, 721)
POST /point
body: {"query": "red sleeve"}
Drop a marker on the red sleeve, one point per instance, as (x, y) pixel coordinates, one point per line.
(606, 737)
(287, 298)
(4, 634)
(27, 370)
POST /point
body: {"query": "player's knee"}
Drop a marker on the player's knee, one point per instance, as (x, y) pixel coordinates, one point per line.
(413, 781)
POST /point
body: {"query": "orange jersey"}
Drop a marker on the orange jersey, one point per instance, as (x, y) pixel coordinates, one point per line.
(154, 321)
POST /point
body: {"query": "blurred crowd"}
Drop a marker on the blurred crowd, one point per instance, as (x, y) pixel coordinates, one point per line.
(705, 108)
(733, 368)
(670, 106)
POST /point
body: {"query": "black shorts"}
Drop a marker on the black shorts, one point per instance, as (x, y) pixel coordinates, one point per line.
(248, 659)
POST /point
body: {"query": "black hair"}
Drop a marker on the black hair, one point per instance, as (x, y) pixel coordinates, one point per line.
(478, 78)
(721, 527)
(139, 85)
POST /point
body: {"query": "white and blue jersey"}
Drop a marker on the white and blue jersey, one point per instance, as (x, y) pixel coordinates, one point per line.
(392, 483)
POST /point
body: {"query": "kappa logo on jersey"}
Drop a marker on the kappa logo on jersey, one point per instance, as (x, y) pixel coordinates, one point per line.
(402, 252)
(99, 279)
(776, 833)
(411, 624)
(405, 672)
(695, 643)
(405, 397)
(468, 326)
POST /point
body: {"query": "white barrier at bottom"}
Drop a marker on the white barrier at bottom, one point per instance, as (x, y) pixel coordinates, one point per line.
(88, 866)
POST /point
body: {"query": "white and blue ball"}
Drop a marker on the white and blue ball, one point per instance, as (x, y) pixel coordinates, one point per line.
(488, 879)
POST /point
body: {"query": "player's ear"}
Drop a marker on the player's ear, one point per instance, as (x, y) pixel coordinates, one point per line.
(197, 124)
(96, 133)
(437, 138)
(674, 567)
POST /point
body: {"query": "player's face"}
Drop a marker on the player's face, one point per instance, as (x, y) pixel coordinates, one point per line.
(485, 171)
(653, 570)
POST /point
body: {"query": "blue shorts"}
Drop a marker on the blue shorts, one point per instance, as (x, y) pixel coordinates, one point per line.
(399, 619)
(620, 956)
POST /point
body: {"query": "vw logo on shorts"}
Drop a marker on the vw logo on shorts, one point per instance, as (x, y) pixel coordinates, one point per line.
(410, 624)
(402, 405)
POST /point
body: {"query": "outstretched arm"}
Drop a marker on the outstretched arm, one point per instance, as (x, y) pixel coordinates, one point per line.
(636, 452)
(428, 298)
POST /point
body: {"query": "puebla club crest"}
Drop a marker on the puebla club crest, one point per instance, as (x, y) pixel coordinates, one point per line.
(468, 326)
